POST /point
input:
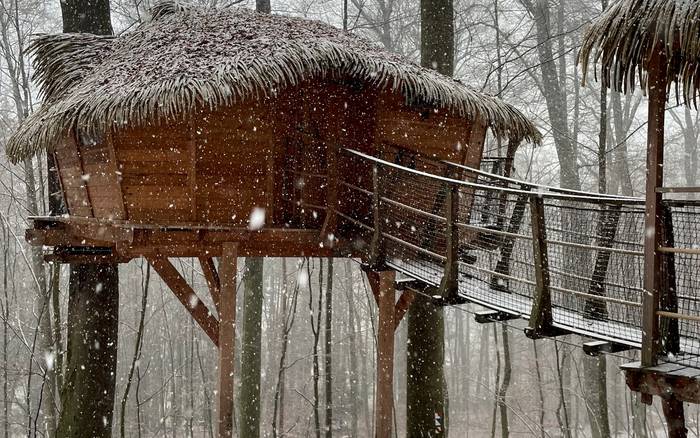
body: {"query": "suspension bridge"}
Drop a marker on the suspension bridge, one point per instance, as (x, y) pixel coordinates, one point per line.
(567, 261)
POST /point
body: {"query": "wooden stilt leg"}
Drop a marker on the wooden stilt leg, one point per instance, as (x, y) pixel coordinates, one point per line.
(675, 417)
(385, 296)
(227, 325)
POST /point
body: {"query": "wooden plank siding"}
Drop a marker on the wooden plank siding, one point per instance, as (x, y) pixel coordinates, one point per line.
(435, 133)
(155, 168)
(233, 147)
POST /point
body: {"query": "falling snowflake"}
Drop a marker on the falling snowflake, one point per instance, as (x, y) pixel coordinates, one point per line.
(257, 219)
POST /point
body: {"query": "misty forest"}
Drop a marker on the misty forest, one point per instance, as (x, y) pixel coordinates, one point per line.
(226, 275)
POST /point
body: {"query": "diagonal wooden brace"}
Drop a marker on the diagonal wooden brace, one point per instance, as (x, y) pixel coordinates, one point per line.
(187, 296)
(213, 281)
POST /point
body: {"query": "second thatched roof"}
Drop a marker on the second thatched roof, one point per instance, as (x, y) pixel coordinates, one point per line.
(624, 38)
(191, 57)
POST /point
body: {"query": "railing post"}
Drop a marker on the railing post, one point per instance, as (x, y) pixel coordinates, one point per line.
(449, 286)
(541, 314)
(652, 218)
(377, 257)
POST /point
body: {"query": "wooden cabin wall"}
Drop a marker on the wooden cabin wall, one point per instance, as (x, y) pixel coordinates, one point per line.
(157, 166)
(217, 166)
(210, 169)
(235, 155)
(321, 121)
(432, 132)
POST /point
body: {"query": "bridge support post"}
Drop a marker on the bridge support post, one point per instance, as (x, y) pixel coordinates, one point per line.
(227, 336)
(670, 342)
(383, 287)
(377, 255)
(449, 286)
(652, 219)
(541, 316)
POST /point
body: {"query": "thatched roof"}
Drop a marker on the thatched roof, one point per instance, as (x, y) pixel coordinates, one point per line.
(189, 57)
(623, 38)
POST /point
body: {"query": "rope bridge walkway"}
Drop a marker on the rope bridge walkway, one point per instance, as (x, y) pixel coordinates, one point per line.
(568, 261)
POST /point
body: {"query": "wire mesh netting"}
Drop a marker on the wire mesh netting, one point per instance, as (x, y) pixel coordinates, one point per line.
(681, 336)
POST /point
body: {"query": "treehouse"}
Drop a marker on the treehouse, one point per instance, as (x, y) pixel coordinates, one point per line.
(208, 117)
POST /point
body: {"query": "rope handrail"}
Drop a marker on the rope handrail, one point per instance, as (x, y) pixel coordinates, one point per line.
(591, 197)
(531, 185)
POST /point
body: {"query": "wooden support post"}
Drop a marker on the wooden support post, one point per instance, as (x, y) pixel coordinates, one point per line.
(675, 417)
(227, 335)
(541, 316)
(212, 278)
(384, 293)
(652, 218)
(186, 295)
(376, 257)
(449, 286)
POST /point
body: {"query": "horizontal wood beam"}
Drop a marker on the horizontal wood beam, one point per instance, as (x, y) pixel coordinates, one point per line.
(664, 380)
(596, 348)
(138, 240)
(488, 316)
(187, 296)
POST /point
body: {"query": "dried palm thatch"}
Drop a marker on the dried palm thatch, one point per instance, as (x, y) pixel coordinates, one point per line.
(630, 32)
(187, 57)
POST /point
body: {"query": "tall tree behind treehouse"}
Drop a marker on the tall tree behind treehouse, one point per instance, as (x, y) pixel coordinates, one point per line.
(252, 329)
(425, 414)
(93, 300)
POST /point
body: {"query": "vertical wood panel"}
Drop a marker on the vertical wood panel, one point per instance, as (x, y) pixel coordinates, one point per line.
(71, 174)
(385, 296)
(227, 336)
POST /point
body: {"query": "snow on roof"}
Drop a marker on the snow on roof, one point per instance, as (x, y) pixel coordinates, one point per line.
(622, 40)
(188, 57)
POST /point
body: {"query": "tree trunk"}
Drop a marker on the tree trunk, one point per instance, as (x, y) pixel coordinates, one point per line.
(554, 94)
(425, 391)
(328, 365)
(91, 357)
(263, 6)
(316, 332)
(505, 383)
(425, 396)
(137, 349)
(250, 356)
(93, 302)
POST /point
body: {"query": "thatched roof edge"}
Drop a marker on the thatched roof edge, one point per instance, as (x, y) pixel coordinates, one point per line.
(63, 61)
(626, 35)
